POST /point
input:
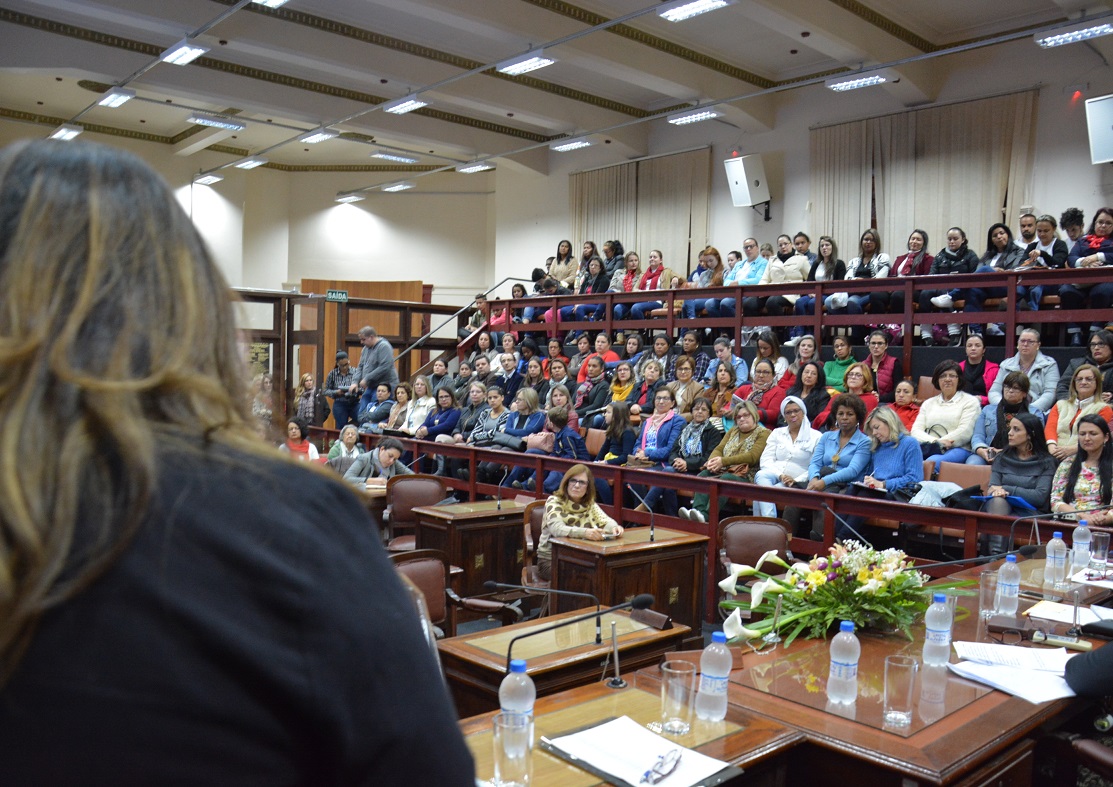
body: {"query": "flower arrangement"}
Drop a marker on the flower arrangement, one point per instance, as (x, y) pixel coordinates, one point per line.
(875, 589)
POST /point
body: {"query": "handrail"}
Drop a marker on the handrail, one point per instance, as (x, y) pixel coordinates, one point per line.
(422, 339)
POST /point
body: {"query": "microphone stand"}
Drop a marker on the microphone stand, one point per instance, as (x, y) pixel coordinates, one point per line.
(847, 525)
(616, 682)
(641, 601)
(498, 503)
(490, 584)
(652, 532)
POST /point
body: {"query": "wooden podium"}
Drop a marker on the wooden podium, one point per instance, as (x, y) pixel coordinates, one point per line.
(671, 567)
(484, 538)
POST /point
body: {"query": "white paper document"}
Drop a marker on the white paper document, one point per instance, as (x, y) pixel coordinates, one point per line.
(623, 748)
(1064, 613)
(1081, 579)
(1034, 686)
(1042, 659)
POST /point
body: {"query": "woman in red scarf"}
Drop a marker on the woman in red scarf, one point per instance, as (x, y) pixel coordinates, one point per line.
(297, 430)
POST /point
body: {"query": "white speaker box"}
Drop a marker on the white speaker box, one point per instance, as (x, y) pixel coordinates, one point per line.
(746, 176)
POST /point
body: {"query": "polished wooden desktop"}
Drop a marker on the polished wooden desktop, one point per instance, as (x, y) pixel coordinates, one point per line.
(671, 568)
(754, 744)
(475, 664)
(484, 538)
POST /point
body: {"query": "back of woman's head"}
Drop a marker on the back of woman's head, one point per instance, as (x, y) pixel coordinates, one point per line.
(115, 327)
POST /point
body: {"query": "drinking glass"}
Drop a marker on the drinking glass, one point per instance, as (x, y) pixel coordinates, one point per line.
(513, 742)
(987, 588)
(1099, 555)
(678, 688)
(900, 680)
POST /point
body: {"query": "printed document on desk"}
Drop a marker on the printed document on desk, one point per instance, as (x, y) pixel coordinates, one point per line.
(1041, 659)
(1064, 613)
(1031, 685)
(621, 751)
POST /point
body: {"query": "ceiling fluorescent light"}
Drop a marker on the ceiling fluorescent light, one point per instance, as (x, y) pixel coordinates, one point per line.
(208, 180)
(346, 198)
(855, 81)
(401, 106)
(271, 3)
(116, 97)
(183, 52)
(523, 64)
(250, 163)
(1083, 31)
(217, 121)
(320, 134)
(66, 132)
(394, 157)
(475, 166)
(409, 184)
(565, 145)
(693, 116)
(686, 9)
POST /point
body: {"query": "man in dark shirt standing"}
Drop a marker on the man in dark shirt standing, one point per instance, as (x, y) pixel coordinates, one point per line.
(376, 365)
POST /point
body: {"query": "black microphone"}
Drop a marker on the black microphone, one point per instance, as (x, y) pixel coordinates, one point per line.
(847, 525)
(640, 601)
(1025, 551)
(490, 584)
(498, 503)
(652, 532)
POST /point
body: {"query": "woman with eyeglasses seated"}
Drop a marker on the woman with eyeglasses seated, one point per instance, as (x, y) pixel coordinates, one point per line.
(689, 454)
(859, 383)
(946, 421)
(735, 458)
(763, 391)
(1084, 399)
(571, 512)
(1100, 355)
(991, 430)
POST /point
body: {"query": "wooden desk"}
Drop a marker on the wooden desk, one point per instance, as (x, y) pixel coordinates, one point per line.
(486, 541)
(748, 741)
(672, 568)
(475, 665)
(973, 736)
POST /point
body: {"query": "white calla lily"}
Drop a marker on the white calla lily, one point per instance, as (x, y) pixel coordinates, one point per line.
(734, 629)
(729, 585)
(770, 556)
(757, 592)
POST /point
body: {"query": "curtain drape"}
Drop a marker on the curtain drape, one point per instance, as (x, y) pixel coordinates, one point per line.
(967, 165)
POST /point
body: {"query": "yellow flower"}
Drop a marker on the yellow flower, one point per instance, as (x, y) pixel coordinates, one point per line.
(815, 579)
(863, 574)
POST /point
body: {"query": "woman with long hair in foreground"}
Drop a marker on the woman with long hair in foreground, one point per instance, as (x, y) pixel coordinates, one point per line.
(178, 602)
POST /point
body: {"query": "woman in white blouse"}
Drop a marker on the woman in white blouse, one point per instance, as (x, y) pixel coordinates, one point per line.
(787, 454)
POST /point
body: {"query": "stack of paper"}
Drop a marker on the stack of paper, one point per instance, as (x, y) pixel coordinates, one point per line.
(1035, 675)
(1064, 613)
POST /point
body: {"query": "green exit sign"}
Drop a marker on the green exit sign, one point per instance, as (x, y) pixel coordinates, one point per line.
(336, 296)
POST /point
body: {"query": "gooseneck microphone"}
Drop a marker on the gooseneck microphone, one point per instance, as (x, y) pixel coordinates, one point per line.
(641, 601)
(498, 504)
(847, 525)
(1025, 551)
(490, 584)
(652, 532)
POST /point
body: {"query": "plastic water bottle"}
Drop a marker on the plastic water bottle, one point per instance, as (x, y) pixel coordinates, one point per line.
(1008, 587)
(1080, 541)
(1055, 570)
(714, 676)
(937, 637)
(517, 692)
(842, 682)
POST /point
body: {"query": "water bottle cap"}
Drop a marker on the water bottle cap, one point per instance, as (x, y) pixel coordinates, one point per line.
(847, 626)
(518, 665)
(719, 636)
(1058, 534)
(1010, 559)
(939, 598)
(1082, 523)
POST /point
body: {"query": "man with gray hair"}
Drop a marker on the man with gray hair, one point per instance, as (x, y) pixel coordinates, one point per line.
(376, 365)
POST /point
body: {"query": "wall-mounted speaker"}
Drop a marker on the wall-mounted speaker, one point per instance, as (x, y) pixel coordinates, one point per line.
(1099, 120)
(746, 176)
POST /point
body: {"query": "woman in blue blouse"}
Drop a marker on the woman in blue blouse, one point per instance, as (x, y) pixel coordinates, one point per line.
(841, 455)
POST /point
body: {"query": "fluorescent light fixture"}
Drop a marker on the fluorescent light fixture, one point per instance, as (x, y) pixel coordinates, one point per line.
(208, 180)
(1083, 31)
(271, 3)
(216, 121)
(183, 52)
(523, 64)
(320, 134)
(565, 145)
(685, 9)
(409, 184)
(475, 166)
(693, 116)
(250, 163)
(346, 198)
(855, 81)
(66, 132)
(401, 106)
(394, 157)
(116, 97)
